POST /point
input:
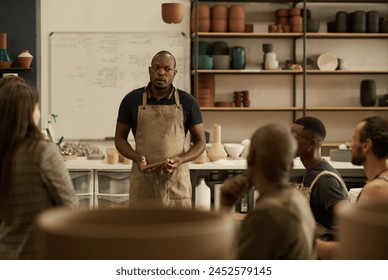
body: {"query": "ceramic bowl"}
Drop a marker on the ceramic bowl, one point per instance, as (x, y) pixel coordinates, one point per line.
(221, 61)
(173, 12)
(205, 62)
(234, 150)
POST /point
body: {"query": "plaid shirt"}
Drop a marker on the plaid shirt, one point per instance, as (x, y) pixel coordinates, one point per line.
(39, 180)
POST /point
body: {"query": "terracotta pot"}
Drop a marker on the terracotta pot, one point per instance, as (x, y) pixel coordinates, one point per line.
(282, 20)
(203, 24)
(236, 25)
(219, 12)
(296, 20)
(203, 11)
(281, 13)
(219, 25)
(173, 12)
(25, 59)
(294, 12)
(236, 12)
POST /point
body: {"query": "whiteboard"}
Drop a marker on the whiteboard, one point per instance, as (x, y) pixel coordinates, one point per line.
(90, 73)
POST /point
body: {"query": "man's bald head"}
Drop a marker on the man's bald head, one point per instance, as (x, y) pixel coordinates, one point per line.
(272, 150)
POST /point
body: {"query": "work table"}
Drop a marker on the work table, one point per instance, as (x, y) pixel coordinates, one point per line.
(81, 163)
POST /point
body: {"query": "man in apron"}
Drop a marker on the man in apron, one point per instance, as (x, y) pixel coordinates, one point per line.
(159, 116)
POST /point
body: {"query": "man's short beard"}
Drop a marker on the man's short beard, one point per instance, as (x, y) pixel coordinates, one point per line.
(358, 159)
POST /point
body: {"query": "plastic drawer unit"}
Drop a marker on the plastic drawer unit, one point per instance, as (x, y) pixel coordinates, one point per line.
(109, 182)
(111, 200)
(82, 181)
(112, 189)
(86, 201)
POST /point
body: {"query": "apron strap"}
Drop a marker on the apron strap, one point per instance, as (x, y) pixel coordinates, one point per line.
(145, 97)
(176, 95)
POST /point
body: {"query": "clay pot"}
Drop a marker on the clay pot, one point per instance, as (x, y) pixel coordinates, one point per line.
(223, 104)
(219, 12)
(281, 13)
(25, 59)
(173, 12)
(217, 151)
(248, 28)
(203, 11)
(236, 25)
(294, 12)
(282, 20)
(219, 25)
(203, 25)
(236, 12)
(296, 20)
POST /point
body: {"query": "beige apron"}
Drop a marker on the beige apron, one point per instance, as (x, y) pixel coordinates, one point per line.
(160, 135)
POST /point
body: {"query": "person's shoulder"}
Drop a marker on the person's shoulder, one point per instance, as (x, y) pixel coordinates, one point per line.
(375, 189)
(134, 93)
(185, 95)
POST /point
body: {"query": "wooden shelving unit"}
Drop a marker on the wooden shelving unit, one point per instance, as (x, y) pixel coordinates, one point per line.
(305, 73)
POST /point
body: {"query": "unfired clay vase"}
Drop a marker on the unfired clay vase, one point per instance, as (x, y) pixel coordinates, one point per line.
(217, 150)
(173, 12)
(136, 234)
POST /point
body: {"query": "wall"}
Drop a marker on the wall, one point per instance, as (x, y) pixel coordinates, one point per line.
(134, 15)
(99, 16)
(21, 28)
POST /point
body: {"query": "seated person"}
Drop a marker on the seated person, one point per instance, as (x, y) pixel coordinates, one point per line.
(281, 226)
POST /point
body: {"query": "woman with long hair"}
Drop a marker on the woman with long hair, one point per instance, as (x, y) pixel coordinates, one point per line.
(33, 175)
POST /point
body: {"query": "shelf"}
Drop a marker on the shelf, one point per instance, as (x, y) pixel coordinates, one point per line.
(246, 35)
(15, 69)
(318, 35)
(253, 109)
(333, 35)
(298, 1)
(288, 72)
(247, 71)
(345, 72)
(372, 108)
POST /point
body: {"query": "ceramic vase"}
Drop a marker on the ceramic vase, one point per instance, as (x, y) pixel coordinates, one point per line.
(5, 58)
(173, 12)
(217, 150)
(368, 93)
(25, 59)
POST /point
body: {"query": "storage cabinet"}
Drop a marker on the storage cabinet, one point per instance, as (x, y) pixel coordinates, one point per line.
(83, 183)
(112, 188)
(283, 95)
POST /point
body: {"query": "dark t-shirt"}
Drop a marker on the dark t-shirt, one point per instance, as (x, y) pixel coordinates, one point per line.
(129, 108)
(325, 194)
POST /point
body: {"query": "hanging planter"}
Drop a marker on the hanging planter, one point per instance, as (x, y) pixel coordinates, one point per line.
(172, 12)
